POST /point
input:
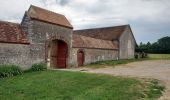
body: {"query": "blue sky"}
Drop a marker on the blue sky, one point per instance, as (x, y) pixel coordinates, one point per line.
(149, 19)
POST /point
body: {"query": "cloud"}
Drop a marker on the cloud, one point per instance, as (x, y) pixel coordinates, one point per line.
(63, 2)
(12, 10)
(147, 17)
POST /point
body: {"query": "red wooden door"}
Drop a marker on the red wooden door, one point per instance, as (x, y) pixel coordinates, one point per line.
(61, 54)
(80, 58)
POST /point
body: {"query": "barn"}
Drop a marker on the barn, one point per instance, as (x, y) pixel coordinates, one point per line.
(47, 37)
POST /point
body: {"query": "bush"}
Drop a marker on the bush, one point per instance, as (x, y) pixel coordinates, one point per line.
(38, 67)
(9, 70)
(137, 56)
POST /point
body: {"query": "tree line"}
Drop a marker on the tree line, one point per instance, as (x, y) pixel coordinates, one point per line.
(162, 46)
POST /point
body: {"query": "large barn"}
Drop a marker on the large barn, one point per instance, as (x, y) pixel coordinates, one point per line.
(47, 37)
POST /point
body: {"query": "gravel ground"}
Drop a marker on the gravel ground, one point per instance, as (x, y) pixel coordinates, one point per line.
(156, 69)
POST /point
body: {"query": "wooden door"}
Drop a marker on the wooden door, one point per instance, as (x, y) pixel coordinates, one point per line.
(61, 54)
(80, 58)
(53, 54)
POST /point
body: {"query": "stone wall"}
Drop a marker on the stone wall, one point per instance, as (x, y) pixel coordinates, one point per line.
(40, 36)
(126, 45)
(93, 55)
(18, 54)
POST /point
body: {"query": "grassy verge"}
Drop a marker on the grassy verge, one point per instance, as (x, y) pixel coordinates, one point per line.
(159, 56)
(112, 63)
(61, 85)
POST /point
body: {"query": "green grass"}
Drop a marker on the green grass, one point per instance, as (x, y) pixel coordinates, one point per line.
(62, 85)
(159, 56)
(112, 63)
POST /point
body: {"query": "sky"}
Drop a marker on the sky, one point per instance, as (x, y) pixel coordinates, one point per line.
(149, 19)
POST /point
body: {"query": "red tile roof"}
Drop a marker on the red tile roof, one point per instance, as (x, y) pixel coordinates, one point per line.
(81, 41)
(11, 33)
(48, 16)
(108, 33)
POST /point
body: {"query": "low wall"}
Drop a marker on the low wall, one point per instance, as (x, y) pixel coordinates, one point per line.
(93, 55)
(17, 54)
(21, 54)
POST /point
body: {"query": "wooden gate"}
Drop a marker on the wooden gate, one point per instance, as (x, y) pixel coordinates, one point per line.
(61, 54)
(80, 58)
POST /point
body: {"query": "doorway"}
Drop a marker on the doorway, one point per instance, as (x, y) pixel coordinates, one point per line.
(58, 54)
(80, 58)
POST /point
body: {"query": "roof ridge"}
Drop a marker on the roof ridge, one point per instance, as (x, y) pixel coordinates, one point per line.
(45, 10)
(102, 27)
(2, 21)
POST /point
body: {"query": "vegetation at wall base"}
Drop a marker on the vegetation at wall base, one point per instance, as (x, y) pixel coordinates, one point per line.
(13, 70)
(9, 70)
(64, 85)
(38, 67)
(112, 63)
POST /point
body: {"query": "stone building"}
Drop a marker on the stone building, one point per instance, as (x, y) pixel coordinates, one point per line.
(47, 37)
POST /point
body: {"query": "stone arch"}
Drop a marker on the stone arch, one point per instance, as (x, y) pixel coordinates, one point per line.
(57, 56)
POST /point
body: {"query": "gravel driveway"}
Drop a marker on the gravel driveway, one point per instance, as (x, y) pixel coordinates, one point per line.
(157, 69)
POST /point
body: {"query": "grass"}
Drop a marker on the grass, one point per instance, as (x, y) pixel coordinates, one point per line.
(62, 85)
(159, 56)
(112, 63)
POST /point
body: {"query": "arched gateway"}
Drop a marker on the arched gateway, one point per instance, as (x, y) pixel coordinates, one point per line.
(58, 53)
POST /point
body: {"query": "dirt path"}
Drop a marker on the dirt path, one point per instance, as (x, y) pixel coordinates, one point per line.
(157, 69)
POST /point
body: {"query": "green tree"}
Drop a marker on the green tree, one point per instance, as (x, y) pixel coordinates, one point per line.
(164, 45)
(161, 46)
(148, 48)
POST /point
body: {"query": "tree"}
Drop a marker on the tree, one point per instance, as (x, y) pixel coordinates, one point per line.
(148, 47)
(164, 45)
(161, 46)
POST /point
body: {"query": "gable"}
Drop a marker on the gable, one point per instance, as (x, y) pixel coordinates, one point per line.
(48, 16)
(129, 31)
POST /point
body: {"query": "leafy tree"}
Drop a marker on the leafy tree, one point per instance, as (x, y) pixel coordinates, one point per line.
(161, 46)
(164, 44)
(148, 47)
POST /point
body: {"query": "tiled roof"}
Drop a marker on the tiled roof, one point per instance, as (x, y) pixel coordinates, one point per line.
(89, 42)
(108, 33)
(11, 33)
(48, 16)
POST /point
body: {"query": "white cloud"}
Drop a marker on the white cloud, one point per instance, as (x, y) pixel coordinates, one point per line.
(13, 10)
(96, 13)
(79, 10)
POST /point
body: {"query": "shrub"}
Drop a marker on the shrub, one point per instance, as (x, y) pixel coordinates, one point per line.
(9, 70)
(38, 67)
(136, 56)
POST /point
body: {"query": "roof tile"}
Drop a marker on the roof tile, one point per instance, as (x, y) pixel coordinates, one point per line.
(81, 41)
(48, 16)
(107, 33)
(11, 33)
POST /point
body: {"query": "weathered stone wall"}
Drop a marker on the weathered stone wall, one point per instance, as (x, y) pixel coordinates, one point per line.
(43, 33)
(40, 34)
(126, 45)
(18, 54)
(93, 55)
